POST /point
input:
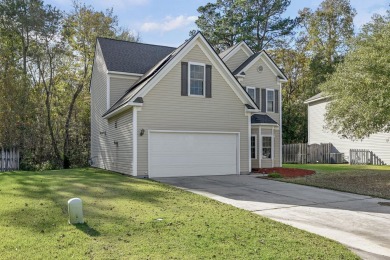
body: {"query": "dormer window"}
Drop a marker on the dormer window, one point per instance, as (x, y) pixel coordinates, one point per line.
(251, 92)
(196, 79)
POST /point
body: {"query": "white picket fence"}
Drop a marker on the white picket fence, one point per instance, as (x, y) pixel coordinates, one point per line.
(9, 159)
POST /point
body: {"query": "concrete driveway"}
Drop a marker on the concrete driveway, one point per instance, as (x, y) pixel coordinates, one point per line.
(359, 222)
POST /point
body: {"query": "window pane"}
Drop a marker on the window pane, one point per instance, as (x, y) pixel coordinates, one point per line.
(196, 79)
(196, 87)
(251, 93)
(270, 100)
(270, 106)
(270, 94)
(267, 147)
(253, 147)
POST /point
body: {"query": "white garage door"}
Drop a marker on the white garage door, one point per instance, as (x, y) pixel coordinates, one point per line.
(192, 154)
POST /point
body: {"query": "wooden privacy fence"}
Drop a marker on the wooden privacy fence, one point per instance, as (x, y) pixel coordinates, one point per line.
(314, 153)
(9, 159)
(361, 156)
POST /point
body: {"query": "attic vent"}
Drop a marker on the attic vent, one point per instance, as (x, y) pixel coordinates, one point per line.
(260, 69)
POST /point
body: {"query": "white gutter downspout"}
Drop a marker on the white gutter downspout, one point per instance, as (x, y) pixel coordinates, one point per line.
(280, 126)
(135, 141)
(249, 141)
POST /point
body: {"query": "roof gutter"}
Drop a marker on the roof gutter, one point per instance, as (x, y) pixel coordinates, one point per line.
(125, 107)
(124, 73)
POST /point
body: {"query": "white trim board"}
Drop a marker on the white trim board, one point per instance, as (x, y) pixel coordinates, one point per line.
(241, 46)
(135, 141)
(117, 73)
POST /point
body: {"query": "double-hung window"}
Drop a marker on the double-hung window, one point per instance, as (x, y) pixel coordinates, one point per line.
(251, 92)
(253, 147)
(270, 100)
(196, 79)
(266, 147)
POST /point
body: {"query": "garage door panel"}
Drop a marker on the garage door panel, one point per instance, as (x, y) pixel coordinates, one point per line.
(192, 154)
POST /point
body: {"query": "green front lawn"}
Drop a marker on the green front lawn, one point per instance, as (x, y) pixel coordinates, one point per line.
(129, 218)
(361, 179)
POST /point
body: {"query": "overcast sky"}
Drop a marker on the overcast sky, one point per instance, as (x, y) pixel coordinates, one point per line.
(168, 22)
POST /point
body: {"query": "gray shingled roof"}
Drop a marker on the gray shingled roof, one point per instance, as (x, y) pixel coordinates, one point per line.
(131, 57)
(133, 90)
(262, 119)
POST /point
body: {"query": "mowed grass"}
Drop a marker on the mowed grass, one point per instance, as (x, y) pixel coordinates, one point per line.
(129, 218)
(361, 179)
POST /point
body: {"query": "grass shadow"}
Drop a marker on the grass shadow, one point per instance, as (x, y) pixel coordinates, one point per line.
(90, 231)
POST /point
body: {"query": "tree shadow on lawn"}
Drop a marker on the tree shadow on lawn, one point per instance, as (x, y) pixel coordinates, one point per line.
(107, 197)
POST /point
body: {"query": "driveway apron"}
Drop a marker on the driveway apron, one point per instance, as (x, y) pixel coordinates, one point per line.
(362, 223)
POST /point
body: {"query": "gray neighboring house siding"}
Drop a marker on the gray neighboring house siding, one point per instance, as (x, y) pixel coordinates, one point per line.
(378, 143)
(165, 109)
(105, 153)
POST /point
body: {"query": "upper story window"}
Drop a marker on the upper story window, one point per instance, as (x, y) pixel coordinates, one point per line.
(251, 92)
(270, 100)
(196, 79)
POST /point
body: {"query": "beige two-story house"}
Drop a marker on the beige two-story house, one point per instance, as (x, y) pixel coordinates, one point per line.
(159, 111)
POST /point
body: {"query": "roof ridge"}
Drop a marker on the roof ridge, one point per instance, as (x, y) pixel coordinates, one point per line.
(141, 43)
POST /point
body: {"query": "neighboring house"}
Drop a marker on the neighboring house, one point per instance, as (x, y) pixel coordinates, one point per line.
(379, 143)
(159, 111)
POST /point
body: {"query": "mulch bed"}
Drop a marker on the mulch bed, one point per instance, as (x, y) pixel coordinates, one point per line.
(285, 172)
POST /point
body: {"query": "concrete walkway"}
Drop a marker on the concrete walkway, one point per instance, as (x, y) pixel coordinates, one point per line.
(356, 221)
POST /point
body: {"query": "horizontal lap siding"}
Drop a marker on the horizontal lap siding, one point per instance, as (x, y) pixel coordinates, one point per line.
(104, 153)
(236, 60)
(165, 109)
(121, 155)
(118, 87)
(265, 79)
(99, 149)
(377, 143)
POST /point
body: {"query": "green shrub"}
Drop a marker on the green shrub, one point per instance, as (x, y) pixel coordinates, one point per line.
(275, 175)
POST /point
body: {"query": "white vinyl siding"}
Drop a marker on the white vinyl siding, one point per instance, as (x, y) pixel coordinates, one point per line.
(165, 109)
(236, 60)
(317, 133)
